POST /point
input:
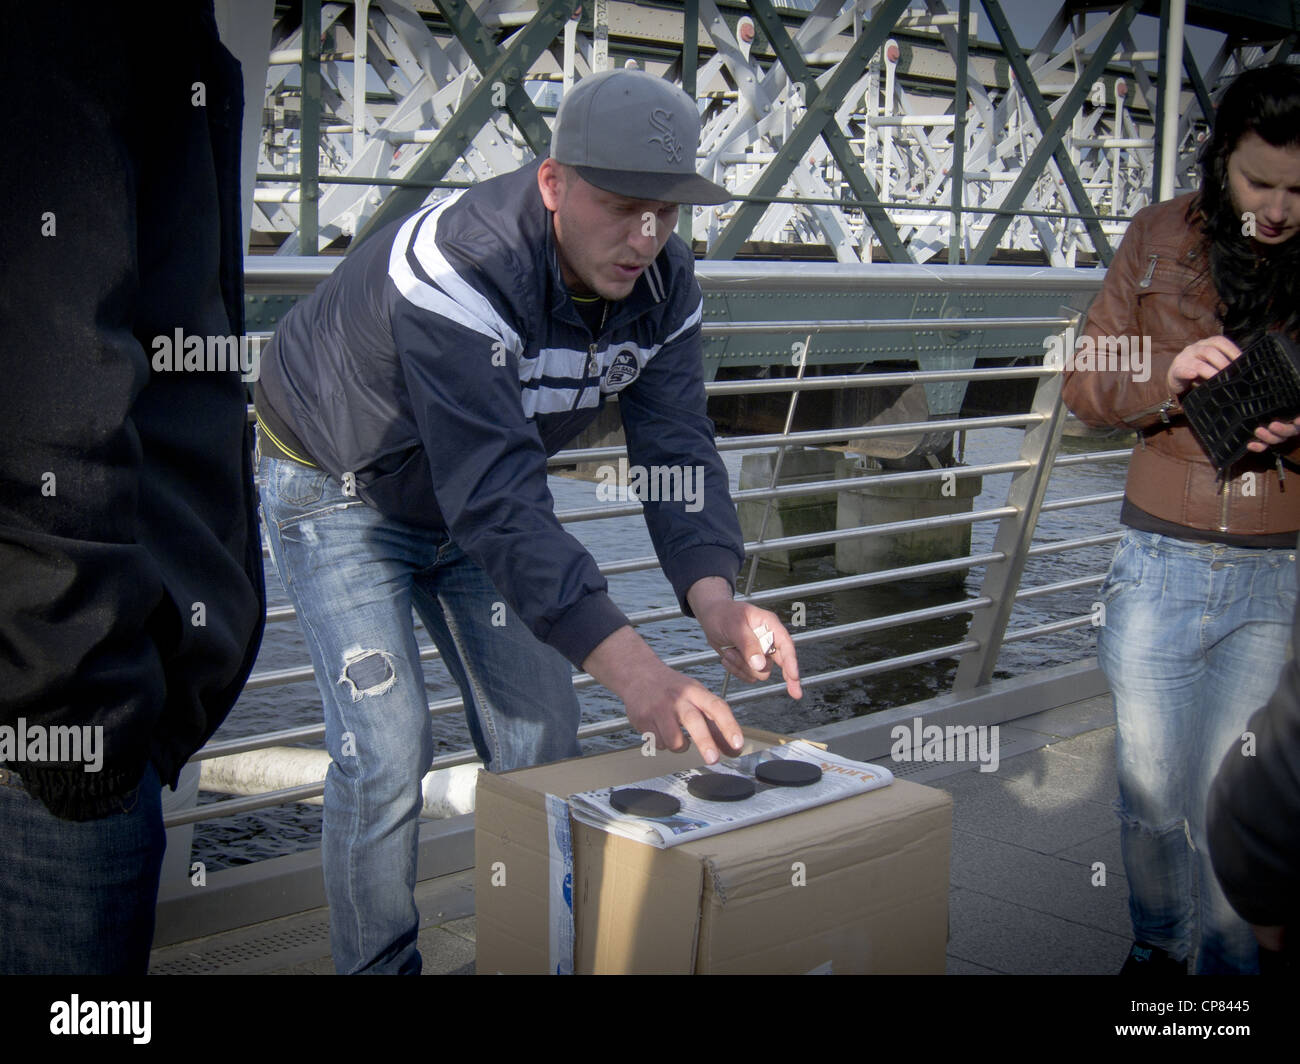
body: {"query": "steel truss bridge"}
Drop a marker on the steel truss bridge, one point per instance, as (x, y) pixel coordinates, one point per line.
(850, 130)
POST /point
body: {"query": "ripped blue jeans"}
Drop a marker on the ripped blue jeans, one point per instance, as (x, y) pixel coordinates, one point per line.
(354, 576)
(1195, 636)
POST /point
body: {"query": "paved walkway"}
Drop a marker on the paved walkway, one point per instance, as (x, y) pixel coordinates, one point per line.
(1037, 880)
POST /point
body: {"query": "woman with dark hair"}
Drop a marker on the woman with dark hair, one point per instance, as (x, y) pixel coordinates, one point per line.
(1202, 587)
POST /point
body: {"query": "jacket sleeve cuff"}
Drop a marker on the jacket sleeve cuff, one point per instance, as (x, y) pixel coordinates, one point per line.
(585, 626)
(696, 564)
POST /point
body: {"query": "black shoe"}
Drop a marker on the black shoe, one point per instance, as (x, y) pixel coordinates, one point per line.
(1144, 959)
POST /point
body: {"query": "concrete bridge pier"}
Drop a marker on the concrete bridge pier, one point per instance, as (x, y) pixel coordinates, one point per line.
(883, 503)
(791, 516)
(874, 504)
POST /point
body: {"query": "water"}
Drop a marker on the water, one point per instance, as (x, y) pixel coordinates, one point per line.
(272, 832)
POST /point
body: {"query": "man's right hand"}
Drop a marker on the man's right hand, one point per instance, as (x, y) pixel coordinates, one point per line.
(662, 701)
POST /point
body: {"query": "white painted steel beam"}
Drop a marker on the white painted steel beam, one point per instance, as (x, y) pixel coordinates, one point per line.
(897, 117)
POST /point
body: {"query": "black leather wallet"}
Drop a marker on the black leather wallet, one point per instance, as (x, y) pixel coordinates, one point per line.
(1262, 385)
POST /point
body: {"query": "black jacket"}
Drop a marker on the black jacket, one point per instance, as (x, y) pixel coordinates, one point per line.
(131, 593)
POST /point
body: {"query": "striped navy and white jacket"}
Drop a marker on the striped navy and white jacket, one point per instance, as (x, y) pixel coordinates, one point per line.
(443, 361)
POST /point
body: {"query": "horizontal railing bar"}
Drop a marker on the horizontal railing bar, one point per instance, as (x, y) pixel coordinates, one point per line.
(297, 274)
(1063, 585)
(813, 487)
(970, 424)
(885, 665)
(847, 583)
(817, 436)
(283, 737)
(843, 381)
(1020, 634)
(1082, 500)
(839, 631)
(278, 677)
(870, 325)
(1064, 545)
(246, 804)
(901, 206)
(814, 539)
(1116, 455)
(819, 635)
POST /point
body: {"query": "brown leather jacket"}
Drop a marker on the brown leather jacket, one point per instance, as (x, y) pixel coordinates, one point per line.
(1158, 287)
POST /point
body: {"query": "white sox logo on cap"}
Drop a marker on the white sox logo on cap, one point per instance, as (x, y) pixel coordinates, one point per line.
(662, 121)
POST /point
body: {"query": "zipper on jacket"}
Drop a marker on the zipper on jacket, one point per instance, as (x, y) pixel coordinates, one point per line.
(1151, 269)
(1164, 409)
(587, 374)
(1223, 512)
(591, 367)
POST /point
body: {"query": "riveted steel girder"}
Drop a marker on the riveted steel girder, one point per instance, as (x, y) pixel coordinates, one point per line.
(481, 49)
(850, 166)
(1198, 82)
(1052, 129)
(309, 163)
(834, 145)
(809, 128)
(470, 116)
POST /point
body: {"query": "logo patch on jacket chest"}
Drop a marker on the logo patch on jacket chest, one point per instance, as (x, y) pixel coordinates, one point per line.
(622, 371)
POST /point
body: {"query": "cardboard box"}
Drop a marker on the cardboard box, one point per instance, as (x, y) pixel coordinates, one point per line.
(855, 886)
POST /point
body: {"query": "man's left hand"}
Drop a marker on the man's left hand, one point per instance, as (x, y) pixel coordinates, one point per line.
(730, 627)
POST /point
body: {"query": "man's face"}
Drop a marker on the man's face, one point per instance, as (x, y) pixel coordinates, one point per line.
(604, 240)
(1265, 181)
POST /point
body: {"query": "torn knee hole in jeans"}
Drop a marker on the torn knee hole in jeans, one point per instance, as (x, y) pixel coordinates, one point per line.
(367, 672)
(1180, 824)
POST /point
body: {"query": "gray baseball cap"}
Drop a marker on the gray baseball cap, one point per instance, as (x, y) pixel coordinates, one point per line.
(633, 134)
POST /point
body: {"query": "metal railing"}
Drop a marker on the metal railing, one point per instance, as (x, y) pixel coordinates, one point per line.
(1004, 564)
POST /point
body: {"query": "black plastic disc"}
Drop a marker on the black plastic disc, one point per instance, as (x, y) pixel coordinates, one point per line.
(638, 801)
(781, 773)
(715, 787)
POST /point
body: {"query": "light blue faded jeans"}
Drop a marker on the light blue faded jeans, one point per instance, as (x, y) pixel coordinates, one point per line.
(353, 576)
(1195, 636)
